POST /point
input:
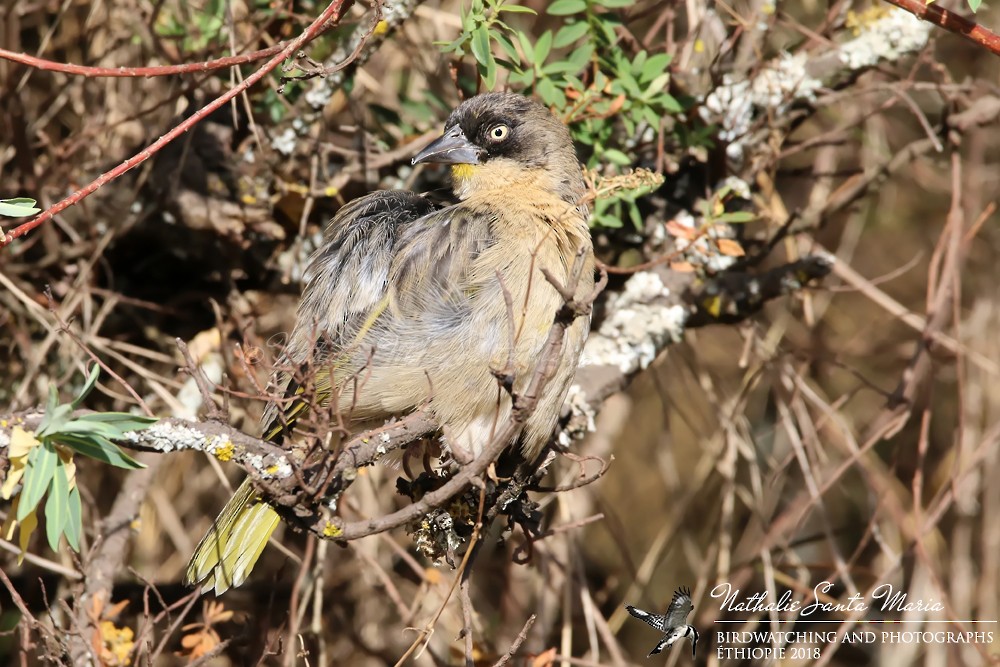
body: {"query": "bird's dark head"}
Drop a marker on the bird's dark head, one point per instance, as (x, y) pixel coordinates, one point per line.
(500, 139)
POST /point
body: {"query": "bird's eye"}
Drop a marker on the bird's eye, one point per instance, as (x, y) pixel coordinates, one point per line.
(499, 133)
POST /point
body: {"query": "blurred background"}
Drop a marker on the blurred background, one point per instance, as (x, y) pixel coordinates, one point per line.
(846, 432)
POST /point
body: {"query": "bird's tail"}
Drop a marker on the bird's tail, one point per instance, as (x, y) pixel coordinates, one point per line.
(231, 547)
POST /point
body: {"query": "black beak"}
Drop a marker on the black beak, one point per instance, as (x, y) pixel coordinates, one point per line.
(451, 148)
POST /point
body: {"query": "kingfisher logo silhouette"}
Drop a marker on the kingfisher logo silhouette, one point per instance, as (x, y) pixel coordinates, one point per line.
(672, 624)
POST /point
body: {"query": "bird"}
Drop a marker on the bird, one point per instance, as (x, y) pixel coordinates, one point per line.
(673, 624)
(411, 296)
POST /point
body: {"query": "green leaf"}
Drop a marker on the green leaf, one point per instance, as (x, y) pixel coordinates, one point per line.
(608, 28)
(542, 48)
(516, 9)
(88, 386)
(615, 4)
(550, 93)
(98, 447)
(133, 422)
(669, 103)
(74, 522)
(566, 7)
(524, 79)
(736, 217)
(580, 57)
(507, 46)
(41, 464)
(637, 63)
(18, 207)
(481, 45)
(570, 33)
(656, 85)
(559, 67)
(489, 72)
(615, 156)
(57, 507)
(974, 5)
(651, 117)
(633, 214)
(654, 67)
(529, 51)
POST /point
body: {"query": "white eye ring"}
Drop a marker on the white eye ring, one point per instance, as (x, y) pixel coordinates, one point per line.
(499, 133)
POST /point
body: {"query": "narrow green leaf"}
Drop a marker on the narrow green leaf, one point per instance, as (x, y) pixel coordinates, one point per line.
(566, 7)
(50, 409)
(669, 103)
(639, 61)
(481, 45)
(616, 4)
(654, 67)
(736, 217)
(529, 50)
(570, 33)
(86, 429)
(92, 376)
(18, 207)
(656, 85)
(489, 72)
(650, 117)
(633, 214)
(580, 57)
(608, 28)
(98, 447)
(517, 9)
(542, 48)
(507, 46)
(974, 5)
(41, 464)
(559, 67)
(546, 90)
(615, 156)
(57, 507)
(123, 422)
(74, 522)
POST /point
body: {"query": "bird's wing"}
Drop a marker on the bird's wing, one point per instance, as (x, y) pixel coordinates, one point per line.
(654, 620)
(680, 607)
(344, 295)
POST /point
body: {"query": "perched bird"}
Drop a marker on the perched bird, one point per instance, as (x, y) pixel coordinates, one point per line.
(673, 624)
(409, 298)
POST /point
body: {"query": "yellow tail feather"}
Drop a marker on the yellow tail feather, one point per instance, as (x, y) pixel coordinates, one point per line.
(230, 549)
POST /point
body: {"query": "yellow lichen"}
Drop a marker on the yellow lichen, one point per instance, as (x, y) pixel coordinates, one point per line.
(224, 452)
(856, 21)
(381, 28)
(117, 644)
(331, 530)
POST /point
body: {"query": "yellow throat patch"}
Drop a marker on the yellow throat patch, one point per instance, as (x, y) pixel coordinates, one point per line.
(461, 172)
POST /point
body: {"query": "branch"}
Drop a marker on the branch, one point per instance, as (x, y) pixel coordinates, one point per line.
(144, 72)
(951, 22)
(330, 17)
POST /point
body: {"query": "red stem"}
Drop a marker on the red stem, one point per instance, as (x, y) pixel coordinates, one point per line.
(322, 23)
(162, 70)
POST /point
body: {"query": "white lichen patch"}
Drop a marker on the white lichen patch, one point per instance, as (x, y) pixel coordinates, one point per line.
(576, 401)
(894, 35)
(637, 328)
(733, 104)
(164, 436)
(285, 142)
